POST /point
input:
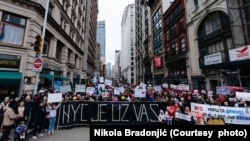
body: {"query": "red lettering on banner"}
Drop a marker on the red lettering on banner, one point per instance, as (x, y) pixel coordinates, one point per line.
(198, 108)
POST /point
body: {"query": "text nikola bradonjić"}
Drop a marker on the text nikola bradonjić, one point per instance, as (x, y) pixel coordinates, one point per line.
(157, 133)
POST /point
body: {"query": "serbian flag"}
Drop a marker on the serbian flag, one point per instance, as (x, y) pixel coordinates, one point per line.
(157, 60)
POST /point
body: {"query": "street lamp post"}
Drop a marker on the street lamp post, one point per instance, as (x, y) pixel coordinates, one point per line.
(43, 36)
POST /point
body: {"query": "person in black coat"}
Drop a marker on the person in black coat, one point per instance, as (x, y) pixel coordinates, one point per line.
(38, 119)
(28, 110)
(1, 114)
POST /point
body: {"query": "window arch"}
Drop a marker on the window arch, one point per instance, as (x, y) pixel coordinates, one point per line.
(214, 35)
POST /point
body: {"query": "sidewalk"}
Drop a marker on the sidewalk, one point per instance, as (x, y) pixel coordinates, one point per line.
(71, 134)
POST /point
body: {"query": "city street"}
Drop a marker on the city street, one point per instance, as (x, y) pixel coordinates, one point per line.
(71, 134)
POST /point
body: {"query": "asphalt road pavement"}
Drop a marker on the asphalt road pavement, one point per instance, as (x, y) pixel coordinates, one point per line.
(70, 134)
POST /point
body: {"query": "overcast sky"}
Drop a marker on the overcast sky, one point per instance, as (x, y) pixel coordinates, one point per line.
(111, 12)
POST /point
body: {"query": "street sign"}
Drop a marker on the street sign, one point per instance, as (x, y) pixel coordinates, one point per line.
(37, 65)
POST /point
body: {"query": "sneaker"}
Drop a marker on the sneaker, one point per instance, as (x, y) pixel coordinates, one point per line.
(41, 135)
(34, 137)
(48, 134)
(53, 133)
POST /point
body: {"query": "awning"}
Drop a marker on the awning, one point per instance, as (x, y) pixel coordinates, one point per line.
(51, 77)
(10, 75)
(62, 77)
(48, 76)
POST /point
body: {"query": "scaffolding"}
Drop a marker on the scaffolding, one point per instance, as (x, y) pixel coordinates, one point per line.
(236, 15)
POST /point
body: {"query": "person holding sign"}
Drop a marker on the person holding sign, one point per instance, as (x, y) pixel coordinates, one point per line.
(162, 117)
(52, 109)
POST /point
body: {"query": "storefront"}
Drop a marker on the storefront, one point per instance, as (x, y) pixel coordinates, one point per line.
(10, 77)
(48, 81)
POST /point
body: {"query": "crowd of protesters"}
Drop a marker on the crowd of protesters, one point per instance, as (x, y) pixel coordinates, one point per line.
(40, 115)
(32, 111)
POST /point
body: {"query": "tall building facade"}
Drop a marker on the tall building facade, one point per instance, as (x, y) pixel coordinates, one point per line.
(159, 71)
(217, 40)
(101, 37)
(117, 66)
(108, 71)
(128, 66)
(63, 49)
(175, 42)
(143, 42)
(98, 63)
(211, 39)
(90, 38)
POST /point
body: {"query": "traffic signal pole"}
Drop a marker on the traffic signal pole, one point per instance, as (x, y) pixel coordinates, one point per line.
(43, 37)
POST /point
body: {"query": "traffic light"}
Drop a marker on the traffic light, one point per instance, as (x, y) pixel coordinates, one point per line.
(27, 80)
(38, 44)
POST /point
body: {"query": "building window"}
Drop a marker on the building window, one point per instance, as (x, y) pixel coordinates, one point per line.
(167, 21)
(213, 37)
(167, 35)
(183, 45)
(58, 53)
(173, 31)
(174, 49)
(45, 47)
(215, 47)
(181, 26)
(196, 4)
(247, 12)
(212, 24)
(76, 61)
(50, 9)
(12, 29)
(69, 55)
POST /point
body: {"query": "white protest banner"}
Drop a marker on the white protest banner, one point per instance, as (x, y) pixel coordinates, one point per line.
(173, 86)
(232, 99)
(105, 94)
(80, 88)
(66, 88)
(118, 90)
(165, 85)
(90, 90)
(143, 85)
(223, 90)
(158, 87)
(101, 86)
(140, 93)
(108, 82)
(183, 87)
(181, 116)
(243, 95)
(101, 79)
(54, 97)
(231, 115)
(210, 93)
(204, 91)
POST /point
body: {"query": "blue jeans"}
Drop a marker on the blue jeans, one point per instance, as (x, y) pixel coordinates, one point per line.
(52, 121)
(169, 121)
